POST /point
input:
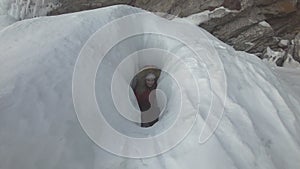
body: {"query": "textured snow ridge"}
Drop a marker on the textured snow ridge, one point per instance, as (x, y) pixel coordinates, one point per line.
(38, 125)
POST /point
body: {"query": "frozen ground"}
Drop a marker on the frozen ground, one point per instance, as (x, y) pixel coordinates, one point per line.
(38, 124)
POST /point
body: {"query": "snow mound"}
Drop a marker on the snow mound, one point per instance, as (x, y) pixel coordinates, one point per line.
(38, 125)
(5, 21)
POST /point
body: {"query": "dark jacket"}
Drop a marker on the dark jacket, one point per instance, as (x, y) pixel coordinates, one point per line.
(143, 97)
(150, 113)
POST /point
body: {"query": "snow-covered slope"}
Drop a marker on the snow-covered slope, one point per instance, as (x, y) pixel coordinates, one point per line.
(5, 21)
(38, 124)
(291, 77)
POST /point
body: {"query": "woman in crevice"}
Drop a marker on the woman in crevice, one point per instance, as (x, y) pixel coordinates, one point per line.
(147, 100)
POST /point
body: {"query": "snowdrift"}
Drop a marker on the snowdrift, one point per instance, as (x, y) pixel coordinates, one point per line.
(5, 21)
(39, 127)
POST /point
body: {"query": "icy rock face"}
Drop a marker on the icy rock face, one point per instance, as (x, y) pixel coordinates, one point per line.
(282, 58)
(283, 43)
(248, 17)
(38, 125)
(69, 6)
(244, 29)
(229, 20)
(287, 53)
(23, 9)
(297, 47)
(246, 39)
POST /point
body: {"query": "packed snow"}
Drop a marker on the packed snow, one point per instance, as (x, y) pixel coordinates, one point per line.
(291, 77)
(5, 21)
(39, 127)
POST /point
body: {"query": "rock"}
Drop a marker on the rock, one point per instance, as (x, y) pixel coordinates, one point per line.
(283, 43)
(289, 57)
(232, 4)
(248, 25)
(249, 38)
(274, 57)
(296, 53)
(181, 8)
(286, 27)
(68, 6)
(280, 8)
(237, 26)
(218, 18)
(158, 6)
(263, 2)
(280, 61)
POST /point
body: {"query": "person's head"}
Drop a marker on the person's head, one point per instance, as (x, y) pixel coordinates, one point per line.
(150, 80)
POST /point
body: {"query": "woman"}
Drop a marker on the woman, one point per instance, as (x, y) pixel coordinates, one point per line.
(148, 105)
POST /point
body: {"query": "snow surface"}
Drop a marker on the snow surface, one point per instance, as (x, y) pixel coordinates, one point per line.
(5, 21)
(291, 77)
(265, 24)
(38, 125)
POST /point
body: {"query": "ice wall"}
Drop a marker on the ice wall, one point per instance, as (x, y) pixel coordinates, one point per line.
(38, 123)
